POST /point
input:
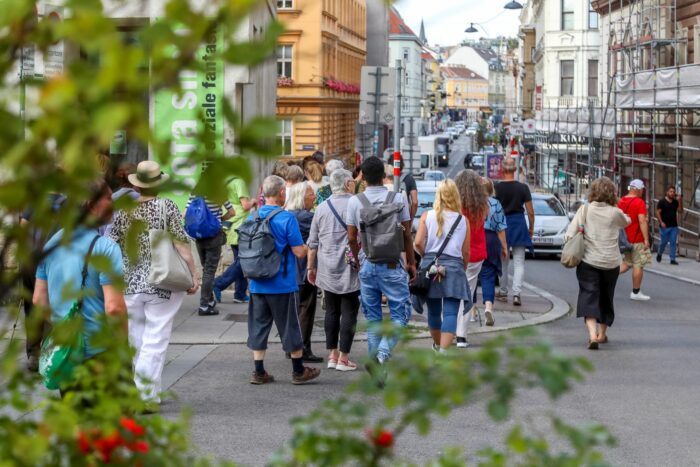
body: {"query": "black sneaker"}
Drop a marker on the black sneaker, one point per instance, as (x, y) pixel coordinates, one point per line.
(658, 258)
(211, 311)
(462, 343)
(309, 357)
(675, 263)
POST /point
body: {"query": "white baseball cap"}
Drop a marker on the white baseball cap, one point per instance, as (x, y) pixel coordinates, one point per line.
(636, 184)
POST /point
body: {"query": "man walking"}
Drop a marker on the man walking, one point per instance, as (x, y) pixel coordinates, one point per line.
(638, 235)
(515, 197)
(275, 299)
(242, 204)
(381, 271)
(667, 210)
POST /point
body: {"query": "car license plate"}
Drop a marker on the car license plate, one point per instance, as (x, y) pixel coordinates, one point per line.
(543, 240)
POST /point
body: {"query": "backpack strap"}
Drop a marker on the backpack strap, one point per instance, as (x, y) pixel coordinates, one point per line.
(285, 251)
(364, 200)
(272, 214)
(390, 197)
(337, 216)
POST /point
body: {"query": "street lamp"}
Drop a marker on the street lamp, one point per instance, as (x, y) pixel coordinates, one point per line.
(471, 29)
(513, 5)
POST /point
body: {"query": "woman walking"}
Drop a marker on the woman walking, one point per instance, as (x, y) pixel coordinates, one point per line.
(444, 224)
(597, 273)
(496, 248)
(151, 309)
(333, 269)
(475, 207)
(300, 202)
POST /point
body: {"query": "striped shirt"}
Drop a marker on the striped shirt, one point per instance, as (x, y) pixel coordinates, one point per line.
(213, 207)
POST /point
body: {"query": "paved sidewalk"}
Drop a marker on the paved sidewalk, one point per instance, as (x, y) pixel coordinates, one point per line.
(688, 270)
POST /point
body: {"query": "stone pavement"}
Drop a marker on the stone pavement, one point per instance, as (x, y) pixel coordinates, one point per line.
(688, 270)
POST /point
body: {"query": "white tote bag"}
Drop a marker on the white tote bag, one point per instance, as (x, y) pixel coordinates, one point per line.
(168, 269)
(575, 247)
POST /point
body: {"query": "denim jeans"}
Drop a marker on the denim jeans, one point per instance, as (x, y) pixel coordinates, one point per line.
(518, 270)
(488, 277)
(669, 235)
(377, 280)
(442, 314)
(233, 275)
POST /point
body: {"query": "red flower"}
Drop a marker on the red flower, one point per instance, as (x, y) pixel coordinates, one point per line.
(382, 439)
(108, 444)
(139, 446)
(130, 424)
(84, 443)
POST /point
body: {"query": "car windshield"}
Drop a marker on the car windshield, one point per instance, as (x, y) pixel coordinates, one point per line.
(425, 202)
(548, 207)
(441, 148)
(434, 176)
(478, 160)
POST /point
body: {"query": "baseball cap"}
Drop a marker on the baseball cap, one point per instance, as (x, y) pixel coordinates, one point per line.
(636, 184)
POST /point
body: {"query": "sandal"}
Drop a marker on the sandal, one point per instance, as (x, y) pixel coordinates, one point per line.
(592, 345)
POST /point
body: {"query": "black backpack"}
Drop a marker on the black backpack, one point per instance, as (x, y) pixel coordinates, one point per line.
(256, 248)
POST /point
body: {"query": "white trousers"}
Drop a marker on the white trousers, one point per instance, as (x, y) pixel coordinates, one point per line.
(150, 325)
(472, 272)
(518, 271)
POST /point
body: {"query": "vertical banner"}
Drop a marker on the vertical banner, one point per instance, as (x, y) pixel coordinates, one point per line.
(494, 168)
(197, 111)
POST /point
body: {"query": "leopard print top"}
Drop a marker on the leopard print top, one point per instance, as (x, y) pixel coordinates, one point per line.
(148, 212)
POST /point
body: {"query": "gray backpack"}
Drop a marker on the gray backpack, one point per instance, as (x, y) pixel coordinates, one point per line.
(381, 231)
(256, 248)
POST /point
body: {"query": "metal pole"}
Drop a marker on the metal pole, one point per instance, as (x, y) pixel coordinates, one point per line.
(377, 108)
(397, 126)
(411, 139)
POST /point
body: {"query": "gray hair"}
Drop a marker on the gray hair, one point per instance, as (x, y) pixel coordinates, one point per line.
(295, 174)
(339, 178)
(509, 165)
(333, 165)
(273, 186)
(295, 196)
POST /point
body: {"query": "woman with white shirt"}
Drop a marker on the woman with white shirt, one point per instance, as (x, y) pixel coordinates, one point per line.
(598, 271)
(449, 287)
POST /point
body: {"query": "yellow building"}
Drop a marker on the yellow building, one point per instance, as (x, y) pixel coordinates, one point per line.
(466, 90)
(319, 63)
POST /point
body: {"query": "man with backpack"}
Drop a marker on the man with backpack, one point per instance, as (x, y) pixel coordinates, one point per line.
(269, 244)
(203, 222)
(380, 220)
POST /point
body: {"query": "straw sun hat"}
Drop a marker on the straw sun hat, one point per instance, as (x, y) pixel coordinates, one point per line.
(148, 175)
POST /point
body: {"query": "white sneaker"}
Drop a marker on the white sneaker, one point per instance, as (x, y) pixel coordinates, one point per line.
(639, 296)
(488, 315)
(346, 365)
(462, 343)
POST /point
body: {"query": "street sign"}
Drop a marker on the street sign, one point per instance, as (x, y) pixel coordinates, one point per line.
(378, 88)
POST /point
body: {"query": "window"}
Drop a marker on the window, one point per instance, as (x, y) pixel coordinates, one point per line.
(284, 61)
(567, 14)
(284, 137)
(592, 78)
(405, 55)
(592, 18)
(285, 4)
(567, 77)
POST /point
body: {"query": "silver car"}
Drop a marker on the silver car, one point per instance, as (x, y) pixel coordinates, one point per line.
(551, 222)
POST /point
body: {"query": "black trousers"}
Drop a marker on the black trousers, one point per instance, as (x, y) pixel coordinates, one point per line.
(307, 311)
(209, 250)
(263, 310)
(341, 320)
(596, 293)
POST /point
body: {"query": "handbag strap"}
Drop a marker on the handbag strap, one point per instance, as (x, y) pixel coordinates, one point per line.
(582, 225)
(337, 216)
(447, 239)
(84, 272)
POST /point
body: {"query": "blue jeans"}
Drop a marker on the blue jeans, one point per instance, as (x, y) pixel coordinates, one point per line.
(669, 235)
(233, 275)
(442, 314)
(488, 276)
(377, 280)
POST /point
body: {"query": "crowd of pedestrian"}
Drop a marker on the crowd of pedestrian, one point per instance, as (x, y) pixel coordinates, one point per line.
(318, 230)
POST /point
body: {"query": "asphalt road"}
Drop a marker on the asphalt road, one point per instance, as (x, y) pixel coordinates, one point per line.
(459, 151)
(644, 387)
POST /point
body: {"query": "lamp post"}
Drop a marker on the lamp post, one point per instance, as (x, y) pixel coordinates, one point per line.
(513, 5)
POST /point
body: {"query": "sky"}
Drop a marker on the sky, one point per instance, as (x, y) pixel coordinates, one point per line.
(446, 20)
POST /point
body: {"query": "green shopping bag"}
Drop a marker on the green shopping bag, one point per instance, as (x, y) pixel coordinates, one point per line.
(60, 355)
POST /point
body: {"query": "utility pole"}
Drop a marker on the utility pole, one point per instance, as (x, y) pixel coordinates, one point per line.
(397, 126)
(377, 94)
(411, 140)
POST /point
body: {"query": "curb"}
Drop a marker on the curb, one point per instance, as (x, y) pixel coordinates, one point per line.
(560, 308)
(671, 276)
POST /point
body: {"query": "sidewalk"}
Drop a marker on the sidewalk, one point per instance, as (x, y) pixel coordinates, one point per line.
(688, 270)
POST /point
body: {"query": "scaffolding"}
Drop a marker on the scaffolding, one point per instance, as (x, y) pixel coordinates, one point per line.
(649, 108)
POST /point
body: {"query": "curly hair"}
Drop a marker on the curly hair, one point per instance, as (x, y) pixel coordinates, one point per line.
(603, 190)
(446, 199)
(475, 201)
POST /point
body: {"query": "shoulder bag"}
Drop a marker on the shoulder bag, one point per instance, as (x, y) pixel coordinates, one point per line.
(63, 350)
(574, 248)
(168, 269)
(421, 285)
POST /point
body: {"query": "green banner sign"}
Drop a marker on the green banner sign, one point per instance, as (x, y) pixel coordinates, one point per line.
(194, 114)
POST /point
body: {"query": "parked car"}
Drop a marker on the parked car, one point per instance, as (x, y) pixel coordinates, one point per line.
(551, 222)
(426, 198)
(469, 158)
(434, 175)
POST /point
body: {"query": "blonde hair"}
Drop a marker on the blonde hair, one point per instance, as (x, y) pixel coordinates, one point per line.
(446, 199)
(295, 196)
(314, 171)
(488, 185)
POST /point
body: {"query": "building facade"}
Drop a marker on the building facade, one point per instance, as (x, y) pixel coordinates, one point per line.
(319, 61)
(466, 90)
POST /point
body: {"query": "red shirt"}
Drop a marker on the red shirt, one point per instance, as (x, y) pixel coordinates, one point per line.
(633, 206)
(477, 239)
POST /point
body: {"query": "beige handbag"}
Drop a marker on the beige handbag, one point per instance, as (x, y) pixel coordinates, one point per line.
(574, 248)
(168, 268)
